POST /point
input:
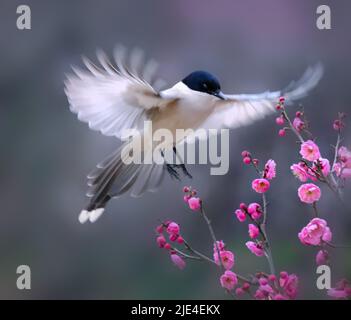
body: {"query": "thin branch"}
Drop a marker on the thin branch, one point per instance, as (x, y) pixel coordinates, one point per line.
(335, 183)
(185, 255)
(267, 243)
(203, 257)
(214, 239)
(199, 254)
(314, 205)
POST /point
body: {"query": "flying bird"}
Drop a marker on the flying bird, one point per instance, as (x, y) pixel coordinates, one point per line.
(113, 97)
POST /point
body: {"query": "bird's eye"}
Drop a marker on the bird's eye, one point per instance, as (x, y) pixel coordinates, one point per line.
(205, 85)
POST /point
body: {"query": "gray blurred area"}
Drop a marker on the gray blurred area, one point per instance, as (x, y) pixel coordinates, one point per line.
(46, 153)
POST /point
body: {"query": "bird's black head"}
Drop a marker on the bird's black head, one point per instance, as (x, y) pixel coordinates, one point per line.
(204, 82)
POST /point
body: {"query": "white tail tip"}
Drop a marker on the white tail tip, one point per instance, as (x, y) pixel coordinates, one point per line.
(83, 216)
(92, 216)
(95, 214)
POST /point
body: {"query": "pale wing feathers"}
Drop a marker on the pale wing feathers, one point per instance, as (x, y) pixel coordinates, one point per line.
(113, 98)
(243, 109)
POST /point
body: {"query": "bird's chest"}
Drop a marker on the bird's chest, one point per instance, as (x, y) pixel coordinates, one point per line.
(182, 118)
(193, 111)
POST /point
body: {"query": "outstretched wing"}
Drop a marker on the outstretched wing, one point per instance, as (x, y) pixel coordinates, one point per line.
(243, 109)
(114, 98)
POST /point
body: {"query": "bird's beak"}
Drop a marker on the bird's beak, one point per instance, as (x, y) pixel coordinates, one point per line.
(220, 95)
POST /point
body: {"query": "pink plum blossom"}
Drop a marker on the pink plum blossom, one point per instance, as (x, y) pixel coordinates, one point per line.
(255, 248)
(161, 241)
(260, 185)
(227, 258)
(194, 203)
(279, 121)
(253, 231)
(247, 160)
(180, 240)
(289, 286)
(239, 291)
(159, 228)
(338, 293)
(344, 156)
(301, 171)
(178, 261)
(246, 286)
(260, 295)
(228, 280)
(255, 211)
(338, 125)
(343, 167)
(316, 232)
(220, 244)
(341, 171)
(245, 153)
(272, 277)
(341, 291)
(310, 151)
(282, 132)
(298, 124)
(240, 214)
(270, 169)
(173, 228)
(266, 289)
(173, 237)
(322, 257)
(337, 168)
(322, 164)
(243, 206)
(309, 193)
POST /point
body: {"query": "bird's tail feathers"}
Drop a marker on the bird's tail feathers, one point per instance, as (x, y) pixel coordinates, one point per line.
(113, 177)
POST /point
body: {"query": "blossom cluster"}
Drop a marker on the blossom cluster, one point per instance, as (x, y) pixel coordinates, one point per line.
(254, 210)
(312, 170)
(272, 288)
(342, 167)
(172, 231)
(342, 290)
(312, 166)
(190, 198)
(225, 258)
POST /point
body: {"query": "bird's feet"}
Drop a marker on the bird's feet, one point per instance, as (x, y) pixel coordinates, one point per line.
(172, 170)
(185, 171)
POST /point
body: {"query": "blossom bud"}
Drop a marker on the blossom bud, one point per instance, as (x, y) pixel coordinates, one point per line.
(243, 206)
(247, 160)
(279, 121)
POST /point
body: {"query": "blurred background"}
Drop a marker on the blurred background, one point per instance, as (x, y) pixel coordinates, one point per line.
(46, 153)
